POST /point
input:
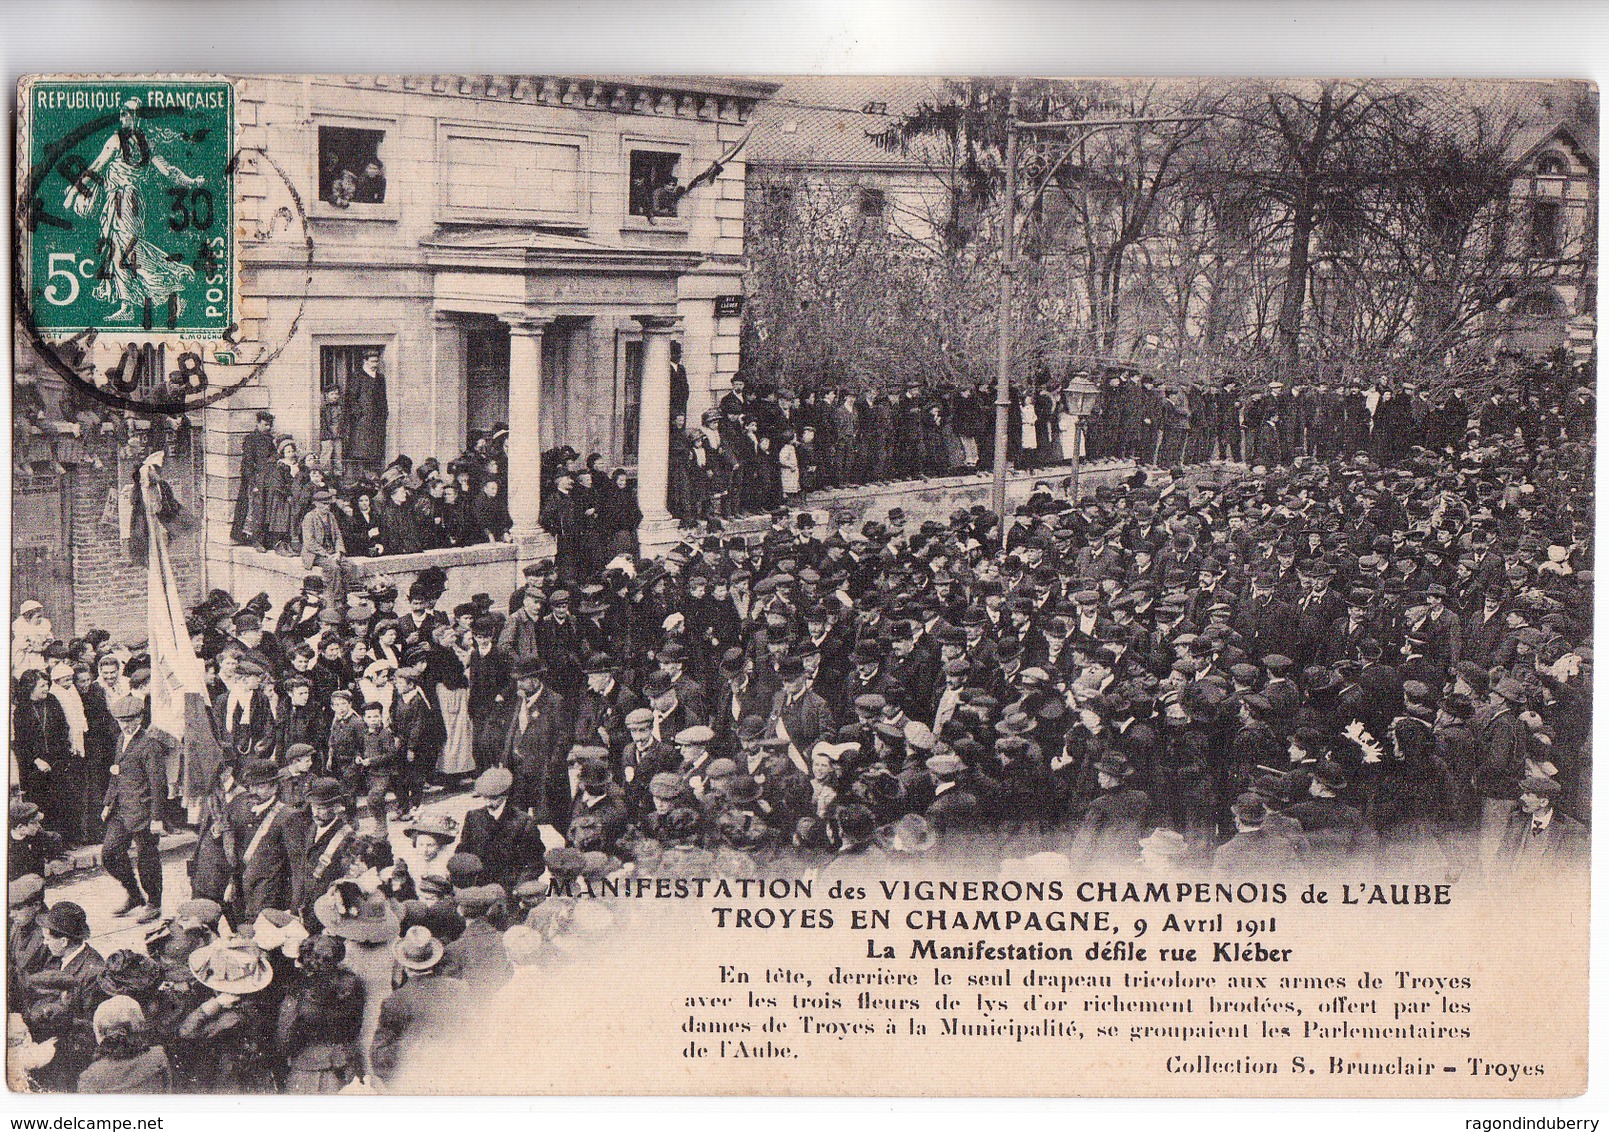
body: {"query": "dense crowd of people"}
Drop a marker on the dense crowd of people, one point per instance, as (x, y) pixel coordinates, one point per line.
(1350, 654)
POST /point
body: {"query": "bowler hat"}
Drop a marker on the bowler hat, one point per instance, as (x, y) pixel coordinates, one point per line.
(1538, 785)
(68, 919)
(325, 792)
(259, 772)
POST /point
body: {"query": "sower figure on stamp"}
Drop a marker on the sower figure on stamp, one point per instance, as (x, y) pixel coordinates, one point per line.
(138, 273)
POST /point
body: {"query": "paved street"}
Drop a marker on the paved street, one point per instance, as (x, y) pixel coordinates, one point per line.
(100, 895)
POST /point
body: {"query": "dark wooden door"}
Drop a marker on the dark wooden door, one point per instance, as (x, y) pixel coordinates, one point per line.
(41, 556)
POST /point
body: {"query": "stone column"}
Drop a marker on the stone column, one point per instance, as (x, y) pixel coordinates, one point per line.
(449, 386)
(653, 436)
(524, 445)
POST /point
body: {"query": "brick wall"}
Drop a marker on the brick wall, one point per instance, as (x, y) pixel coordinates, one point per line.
(108, 592)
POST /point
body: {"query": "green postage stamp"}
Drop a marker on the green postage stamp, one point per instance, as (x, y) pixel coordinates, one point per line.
(125, 211)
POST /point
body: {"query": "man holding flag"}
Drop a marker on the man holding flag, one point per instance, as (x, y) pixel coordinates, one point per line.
(178, 688)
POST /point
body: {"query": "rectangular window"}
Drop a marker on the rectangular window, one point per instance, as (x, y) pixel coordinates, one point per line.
(653, 182)
(351, 170)
(631, 402)
(1545, 217)
(872, 202)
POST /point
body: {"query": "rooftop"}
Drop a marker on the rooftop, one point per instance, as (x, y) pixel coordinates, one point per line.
(825, 120)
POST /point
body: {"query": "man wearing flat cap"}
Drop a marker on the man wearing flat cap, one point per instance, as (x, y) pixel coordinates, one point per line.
(324, 546)
(477, 956)
(1504, 737)
(26, 953)
(507, 839)
(137, 790)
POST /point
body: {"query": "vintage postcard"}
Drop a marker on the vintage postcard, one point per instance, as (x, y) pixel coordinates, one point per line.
(592, 584)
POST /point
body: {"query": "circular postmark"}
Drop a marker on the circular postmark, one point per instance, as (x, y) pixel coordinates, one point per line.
(126, 264)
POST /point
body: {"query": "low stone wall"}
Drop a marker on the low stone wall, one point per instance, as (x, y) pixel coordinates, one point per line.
(938, 497)
(494, 568)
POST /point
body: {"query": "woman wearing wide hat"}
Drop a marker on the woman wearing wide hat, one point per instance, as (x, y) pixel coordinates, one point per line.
(365, 921)
(229, 1031)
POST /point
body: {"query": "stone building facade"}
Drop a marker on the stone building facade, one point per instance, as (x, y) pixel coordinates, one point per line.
(523, 260)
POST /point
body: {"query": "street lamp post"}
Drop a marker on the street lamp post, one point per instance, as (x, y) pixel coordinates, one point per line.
(1002, 379)
(1079, 397)
(1008, 245)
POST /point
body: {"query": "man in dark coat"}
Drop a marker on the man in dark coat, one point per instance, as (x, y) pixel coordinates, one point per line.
(270, 844)
(133, 810)
(329, 844)
(256, 461)
(426, 1010)
(538, 739)
(1258, 848)
(365, 414)
(1538, 839)
(421, 735)
(600, 717)
(507, 839)
(1115, 820)
(564, 517)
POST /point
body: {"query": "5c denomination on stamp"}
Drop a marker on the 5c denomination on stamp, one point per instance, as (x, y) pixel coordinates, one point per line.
(126, 236)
